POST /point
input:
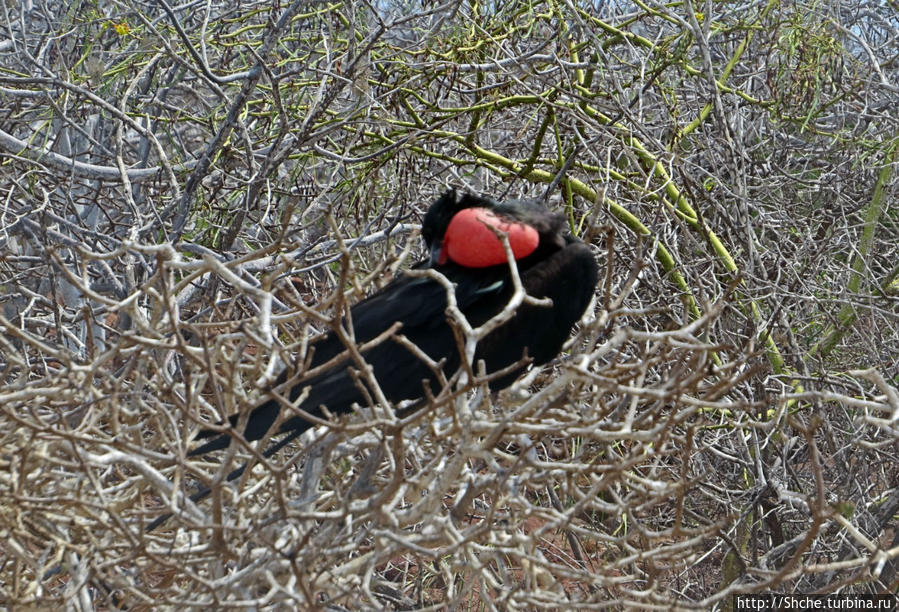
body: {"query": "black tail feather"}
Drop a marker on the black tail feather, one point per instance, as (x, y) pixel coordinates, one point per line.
(234, 475)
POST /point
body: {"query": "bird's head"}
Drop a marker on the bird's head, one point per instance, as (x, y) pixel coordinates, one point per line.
(464, 229)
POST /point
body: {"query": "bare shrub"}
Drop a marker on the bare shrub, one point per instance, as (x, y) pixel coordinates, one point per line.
(191, 193)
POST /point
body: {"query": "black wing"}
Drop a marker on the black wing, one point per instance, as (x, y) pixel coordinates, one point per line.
(419, 305)
(568, 277)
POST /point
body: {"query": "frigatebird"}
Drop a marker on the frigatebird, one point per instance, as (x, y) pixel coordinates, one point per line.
(420, 352)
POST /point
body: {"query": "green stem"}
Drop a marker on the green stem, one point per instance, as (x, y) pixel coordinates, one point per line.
(848, 314)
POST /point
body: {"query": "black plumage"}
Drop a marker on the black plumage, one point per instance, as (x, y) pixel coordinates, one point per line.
(559, 267)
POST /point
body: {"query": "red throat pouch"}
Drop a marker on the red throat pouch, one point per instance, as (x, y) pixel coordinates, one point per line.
(470, 241)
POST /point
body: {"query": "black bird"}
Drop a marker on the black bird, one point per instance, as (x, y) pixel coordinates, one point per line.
(461, 233)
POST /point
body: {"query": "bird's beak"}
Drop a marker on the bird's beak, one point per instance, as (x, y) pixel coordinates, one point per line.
(436, 250)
